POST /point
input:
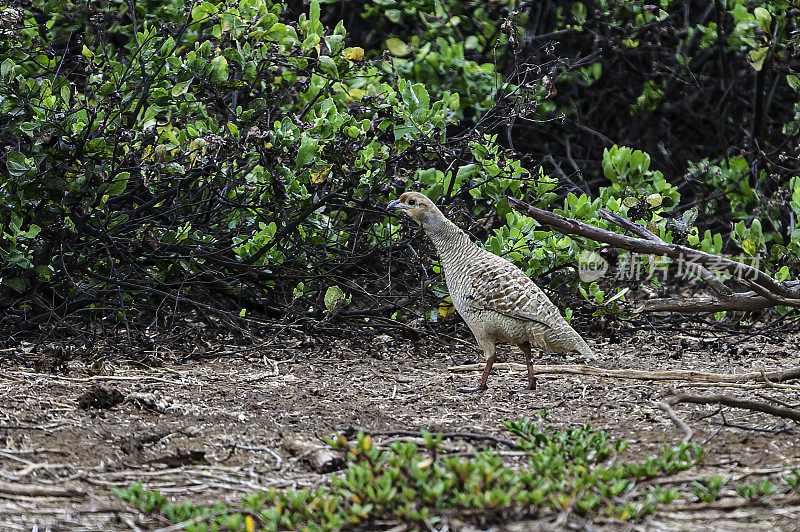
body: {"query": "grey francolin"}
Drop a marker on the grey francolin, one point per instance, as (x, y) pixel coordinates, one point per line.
(495, 298)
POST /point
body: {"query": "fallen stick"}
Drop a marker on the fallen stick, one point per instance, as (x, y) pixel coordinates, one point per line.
(135, 378)
(735, 402)
(318, 455)
(674, 375)
(687, 430)
(35, 490)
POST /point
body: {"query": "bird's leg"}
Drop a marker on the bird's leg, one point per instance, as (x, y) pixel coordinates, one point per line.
(526, 348)
(481, 385)
(488, 349)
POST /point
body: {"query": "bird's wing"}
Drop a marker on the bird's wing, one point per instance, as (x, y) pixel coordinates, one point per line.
(500, 286)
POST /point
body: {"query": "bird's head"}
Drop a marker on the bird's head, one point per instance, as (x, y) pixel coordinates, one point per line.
(417, 207)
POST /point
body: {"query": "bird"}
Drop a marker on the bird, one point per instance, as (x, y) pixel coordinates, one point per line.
(495, 298)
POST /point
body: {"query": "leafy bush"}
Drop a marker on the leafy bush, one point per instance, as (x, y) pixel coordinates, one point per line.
(228, 156)
(677, 81)
(452, 47)
(171, 152)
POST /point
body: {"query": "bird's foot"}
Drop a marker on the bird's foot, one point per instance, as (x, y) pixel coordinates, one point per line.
(531, 387)
(473, 389)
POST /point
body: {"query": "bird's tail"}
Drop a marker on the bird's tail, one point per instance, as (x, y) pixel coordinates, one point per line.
(567, 340)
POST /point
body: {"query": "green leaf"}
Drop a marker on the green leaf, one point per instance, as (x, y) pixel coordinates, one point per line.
(393, 15)
(328, 66)
(579, 11)
(618, 295)
(180, 88)
(278, 31)
(654, 200)
(793, 81)
(630, 201)
(219, 73)
(203, 11)
(5, 68)
(311, 42)
(18, 285)
(396, 47)
(17, 164)
(418, 100)
(314, 13)
(307, 151)
(268, 20)
(609, 171)
(750, 246)
(764, 18)
(32, 231)
(44, 272)
(335, 298)
(758, 56)
(118, 185)
(28, 128)
(755, 229)
(335, 43)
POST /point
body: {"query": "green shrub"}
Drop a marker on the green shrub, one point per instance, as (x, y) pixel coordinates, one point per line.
(578, 469)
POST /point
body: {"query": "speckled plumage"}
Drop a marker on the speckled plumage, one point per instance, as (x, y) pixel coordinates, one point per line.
(495, 298)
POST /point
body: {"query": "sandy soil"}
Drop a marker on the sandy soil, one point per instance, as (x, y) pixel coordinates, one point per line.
(217, 428)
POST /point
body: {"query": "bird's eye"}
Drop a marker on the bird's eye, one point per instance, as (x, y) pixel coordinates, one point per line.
(412, 202)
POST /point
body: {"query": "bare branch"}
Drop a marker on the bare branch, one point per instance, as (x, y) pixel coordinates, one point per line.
(687, 430)
(738, 301)
(715, 284)
(735, 402)
(782, 293)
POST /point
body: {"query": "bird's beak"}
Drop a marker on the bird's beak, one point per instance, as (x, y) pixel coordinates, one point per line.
(396, 205)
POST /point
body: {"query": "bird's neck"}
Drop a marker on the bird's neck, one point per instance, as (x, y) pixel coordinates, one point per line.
(451, 243)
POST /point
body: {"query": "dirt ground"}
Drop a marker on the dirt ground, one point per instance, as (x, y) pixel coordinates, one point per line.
(217, 428)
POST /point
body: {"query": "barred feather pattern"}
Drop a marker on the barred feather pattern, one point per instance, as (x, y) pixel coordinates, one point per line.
(495, 298)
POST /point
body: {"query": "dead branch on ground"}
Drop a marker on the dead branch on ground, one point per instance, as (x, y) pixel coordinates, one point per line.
(674, 375)
(687, 430)
(735, 402)
(38, 490)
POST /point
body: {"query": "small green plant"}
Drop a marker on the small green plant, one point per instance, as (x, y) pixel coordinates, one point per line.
(577, 468)
(757, 490)
(635, 190)
(793, 478)
(707, 489)
(650, 98)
